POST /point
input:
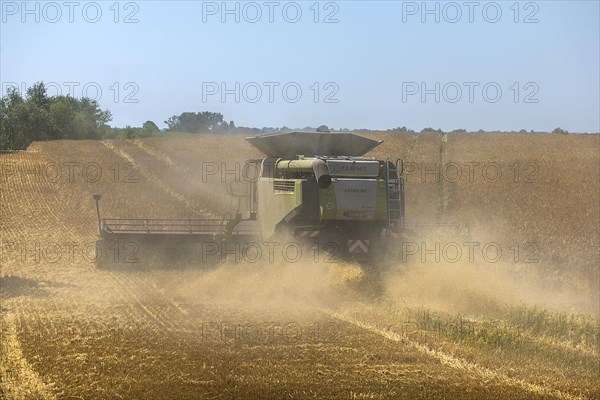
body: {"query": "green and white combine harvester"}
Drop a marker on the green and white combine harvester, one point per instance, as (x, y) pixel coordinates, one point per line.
(315, 190)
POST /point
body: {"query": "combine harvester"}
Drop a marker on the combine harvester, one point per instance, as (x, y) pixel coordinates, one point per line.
(313, 189)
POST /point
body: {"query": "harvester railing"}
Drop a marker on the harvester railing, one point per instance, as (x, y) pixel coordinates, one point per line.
(192, 226)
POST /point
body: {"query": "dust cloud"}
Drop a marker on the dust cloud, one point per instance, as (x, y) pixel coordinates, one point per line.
(463, 287)
(477, 287)
(269, 285)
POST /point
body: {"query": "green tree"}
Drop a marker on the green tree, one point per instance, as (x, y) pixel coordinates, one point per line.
(129, 132)
(63, 111)
(150, 127)
(37, 95)
(560, 131)
(12, 128)
(199, 122)
(429, 129)
(39, 117)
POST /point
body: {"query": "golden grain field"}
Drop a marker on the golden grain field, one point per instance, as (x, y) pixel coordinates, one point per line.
(433, 325)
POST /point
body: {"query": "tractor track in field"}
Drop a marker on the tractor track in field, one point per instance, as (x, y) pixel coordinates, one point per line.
(161, 311)
(168, 316)
(18, 200)
(186, 202)
(165, 159)
(205, 192)
(452, 361)
(127, 293)
(549, 342)
(19, 379)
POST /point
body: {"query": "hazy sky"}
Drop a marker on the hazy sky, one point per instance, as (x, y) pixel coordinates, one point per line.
(356, 64)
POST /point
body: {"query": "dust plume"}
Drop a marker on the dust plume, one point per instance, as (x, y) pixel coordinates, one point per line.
(276, 285)
(471, 287)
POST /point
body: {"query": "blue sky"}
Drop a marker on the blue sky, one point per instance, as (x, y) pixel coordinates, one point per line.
(356, 64)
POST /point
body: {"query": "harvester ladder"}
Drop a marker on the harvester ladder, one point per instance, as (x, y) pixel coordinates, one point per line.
(394, 198)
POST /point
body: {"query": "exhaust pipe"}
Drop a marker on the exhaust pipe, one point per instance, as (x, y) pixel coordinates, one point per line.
(321, 173)
(318, 167)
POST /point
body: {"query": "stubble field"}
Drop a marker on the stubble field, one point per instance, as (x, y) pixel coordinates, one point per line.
(503, 303)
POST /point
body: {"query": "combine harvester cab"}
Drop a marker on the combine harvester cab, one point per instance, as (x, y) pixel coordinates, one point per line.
(318, 188)
(315, 189)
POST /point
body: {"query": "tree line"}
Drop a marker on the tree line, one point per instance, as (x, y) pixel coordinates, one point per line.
(197, 122)
(38, 117)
